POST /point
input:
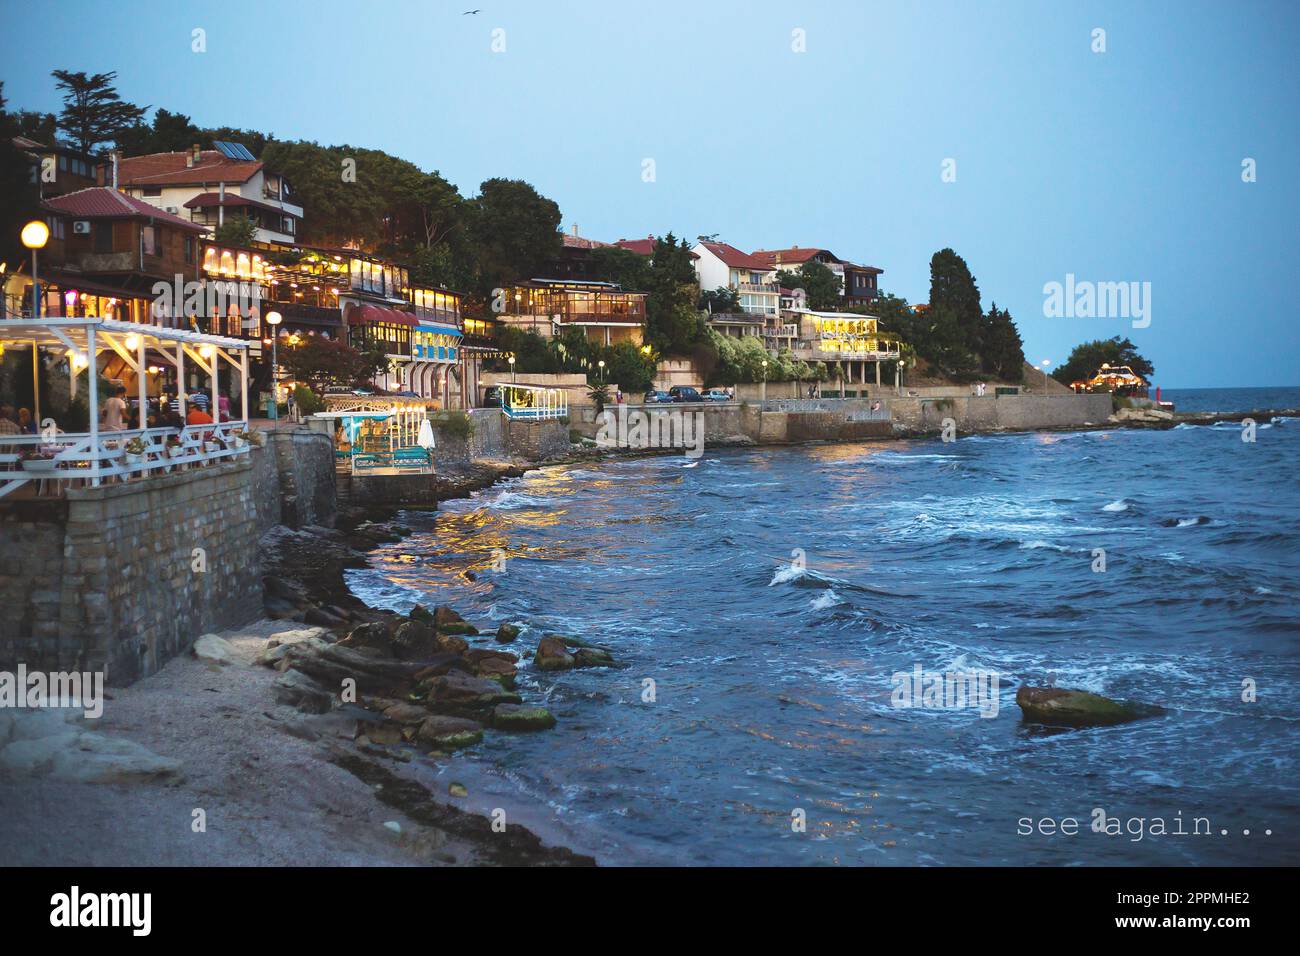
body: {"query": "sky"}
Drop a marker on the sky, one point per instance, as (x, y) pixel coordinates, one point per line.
(882, 131)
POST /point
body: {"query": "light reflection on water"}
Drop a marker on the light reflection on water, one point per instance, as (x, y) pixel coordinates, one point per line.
(773, 688)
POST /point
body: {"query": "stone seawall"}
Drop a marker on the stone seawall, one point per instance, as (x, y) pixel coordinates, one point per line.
(1014, 412)
(129, 575)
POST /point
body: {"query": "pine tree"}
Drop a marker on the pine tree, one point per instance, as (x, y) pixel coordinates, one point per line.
(93, 114)
(952, 286)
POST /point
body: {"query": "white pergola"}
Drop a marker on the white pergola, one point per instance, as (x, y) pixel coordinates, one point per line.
(95, 454)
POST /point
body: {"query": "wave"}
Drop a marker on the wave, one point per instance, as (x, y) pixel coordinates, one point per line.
(1119, 505)
(827, 598)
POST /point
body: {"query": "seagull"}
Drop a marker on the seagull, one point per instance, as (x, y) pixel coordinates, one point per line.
(468, 13)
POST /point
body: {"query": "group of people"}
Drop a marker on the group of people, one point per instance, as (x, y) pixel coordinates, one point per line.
(162, 413)
(18, 422)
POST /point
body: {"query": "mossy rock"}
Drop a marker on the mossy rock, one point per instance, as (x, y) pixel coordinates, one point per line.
(457, 627)
(518, 717)
(422, 614)
(1065, 707)
(507, 633)
(592, 657)
(570, 641)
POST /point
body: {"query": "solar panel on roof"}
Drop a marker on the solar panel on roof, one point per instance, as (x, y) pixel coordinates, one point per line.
(227, 149)
(244, 152)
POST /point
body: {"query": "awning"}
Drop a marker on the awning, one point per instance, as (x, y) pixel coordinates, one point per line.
(439, 329)
(378, 315)
(209, 200)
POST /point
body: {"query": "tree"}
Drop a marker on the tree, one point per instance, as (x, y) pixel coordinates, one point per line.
(720, 301)
(322, 362)
(16, 186)
(1087, 357)
(514, 232)
(93, 113)
(673, 323)
(820, 285)
(1003, 354)
(952, 286)
(629, 269)
(237, 231)
(940, 342)
(169, 133)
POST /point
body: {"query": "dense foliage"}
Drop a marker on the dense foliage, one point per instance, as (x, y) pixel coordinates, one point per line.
(1086, 358)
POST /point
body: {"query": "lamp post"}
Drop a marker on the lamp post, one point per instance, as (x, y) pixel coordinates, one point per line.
(273, 319)
(763, 398)
(601, 373)
(513, 378)
(35, 235)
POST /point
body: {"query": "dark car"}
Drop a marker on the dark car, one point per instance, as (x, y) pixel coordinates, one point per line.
(684, 393)
(656, 397)
(492, 396)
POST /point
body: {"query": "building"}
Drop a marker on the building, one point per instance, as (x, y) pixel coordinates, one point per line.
(207, 185)
(720, 265)
(850, 342)
(105, 255)
(605, 313)
(574, 261)
(858, 284)
(57, 169)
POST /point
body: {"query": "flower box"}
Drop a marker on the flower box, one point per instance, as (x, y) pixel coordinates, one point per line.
(42, 465)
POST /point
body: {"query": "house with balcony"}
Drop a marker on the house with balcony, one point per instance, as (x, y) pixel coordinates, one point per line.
(858, 284)
(861, 284)
(720, 266)
(606, 314)
(57, 169)
(105, 254)
(846, 341)
(208, 185)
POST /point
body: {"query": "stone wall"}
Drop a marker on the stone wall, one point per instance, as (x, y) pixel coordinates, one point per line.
(304, 464)
(1022, 412)
(131, 573)
(536, 441)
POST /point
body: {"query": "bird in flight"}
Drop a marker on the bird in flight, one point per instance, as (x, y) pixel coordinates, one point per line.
(469, 13)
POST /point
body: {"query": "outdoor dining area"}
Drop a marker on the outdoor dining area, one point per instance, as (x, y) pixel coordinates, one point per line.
(44, 457)
(380, 434)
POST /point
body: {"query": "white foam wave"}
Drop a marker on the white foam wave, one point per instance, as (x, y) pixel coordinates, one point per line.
(1120, 505)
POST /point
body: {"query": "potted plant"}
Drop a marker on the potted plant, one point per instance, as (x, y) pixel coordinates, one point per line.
(256, 438)
(134, 450)
(38, 459)
(213, 443)
(239, 438)
(174, 447)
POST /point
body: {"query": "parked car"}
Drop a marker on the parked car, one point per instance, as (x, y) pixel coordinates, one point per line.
(492, 396)
(684, 393)
(656, 397)
(717, 395)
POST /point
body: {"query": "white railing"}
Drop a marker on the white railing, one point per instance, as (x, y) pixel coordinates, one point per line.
(73, 456)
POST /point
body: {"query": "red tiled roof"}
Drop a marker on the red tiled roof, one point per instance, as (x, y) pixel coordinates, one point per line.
(103, 202)
(577, 242)
(789, 257)
(170, 169)
(733, 257)
(643, 247)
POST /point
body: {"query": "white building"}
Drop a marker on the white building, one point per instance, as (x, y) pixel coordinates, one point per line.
(206, 186)
(723, 266)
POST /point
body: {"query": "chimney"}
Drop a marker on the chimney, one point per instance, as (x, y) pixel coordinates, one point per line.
(575, 230)
(113, 158)
(192, 159)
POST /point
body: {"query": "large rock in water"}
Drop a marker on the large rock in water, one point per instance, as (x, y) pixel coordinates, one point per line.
(517, 717)
(507, 633)
(552, 655)
(449, 733)
(1063, 707)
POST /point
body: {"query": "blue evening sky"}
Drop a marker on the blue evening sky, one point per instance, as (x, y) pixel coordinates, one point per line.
(1120, 166)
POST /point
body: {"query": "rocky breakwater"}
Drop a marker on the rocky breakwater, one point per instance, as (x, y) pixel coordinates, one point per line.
(417, 684)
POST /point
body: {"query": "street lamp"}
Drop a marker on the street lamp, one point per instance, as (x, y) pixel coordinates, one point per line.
(601, 363)
(513, 379)
(35, 235)
(273, 319)
(764, 398)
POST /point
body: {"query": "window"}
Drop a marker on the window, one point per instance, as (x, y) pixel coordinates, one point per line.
(189, 249)
(153, 190)
(103, 236)
(150, 240)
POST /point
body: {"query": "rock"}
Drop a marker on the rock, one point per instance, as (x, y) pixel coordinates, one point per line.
(275, 653)
(552, 655)
(279, 610)
(479, 654)
(451, 644)
(444, 615)
(393, 825)
(404, 713)
(414, 641)
(385, 735)
(214, 650)
(507, 633)
(571, 641)
(457, 790)
(52, 741)
(298, 690)
(592, 657)
(517, 717)
(449, 733)
(376, 634)
(1063, 707)
(422, 614)
(461, 628)
(322, 617)
(458, 691)
(439, 664)
(335, 663)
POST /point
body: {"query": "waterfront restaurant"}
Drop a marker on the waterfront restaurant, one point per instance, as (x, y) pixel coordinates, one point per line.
(435, 346)
(606, 314)
(844, 339)
(60, 455)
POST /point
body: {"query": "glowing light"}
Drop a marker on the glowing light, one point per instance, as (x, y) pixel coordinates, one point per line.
(132, 342)
(207, 351)
(35, 234)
